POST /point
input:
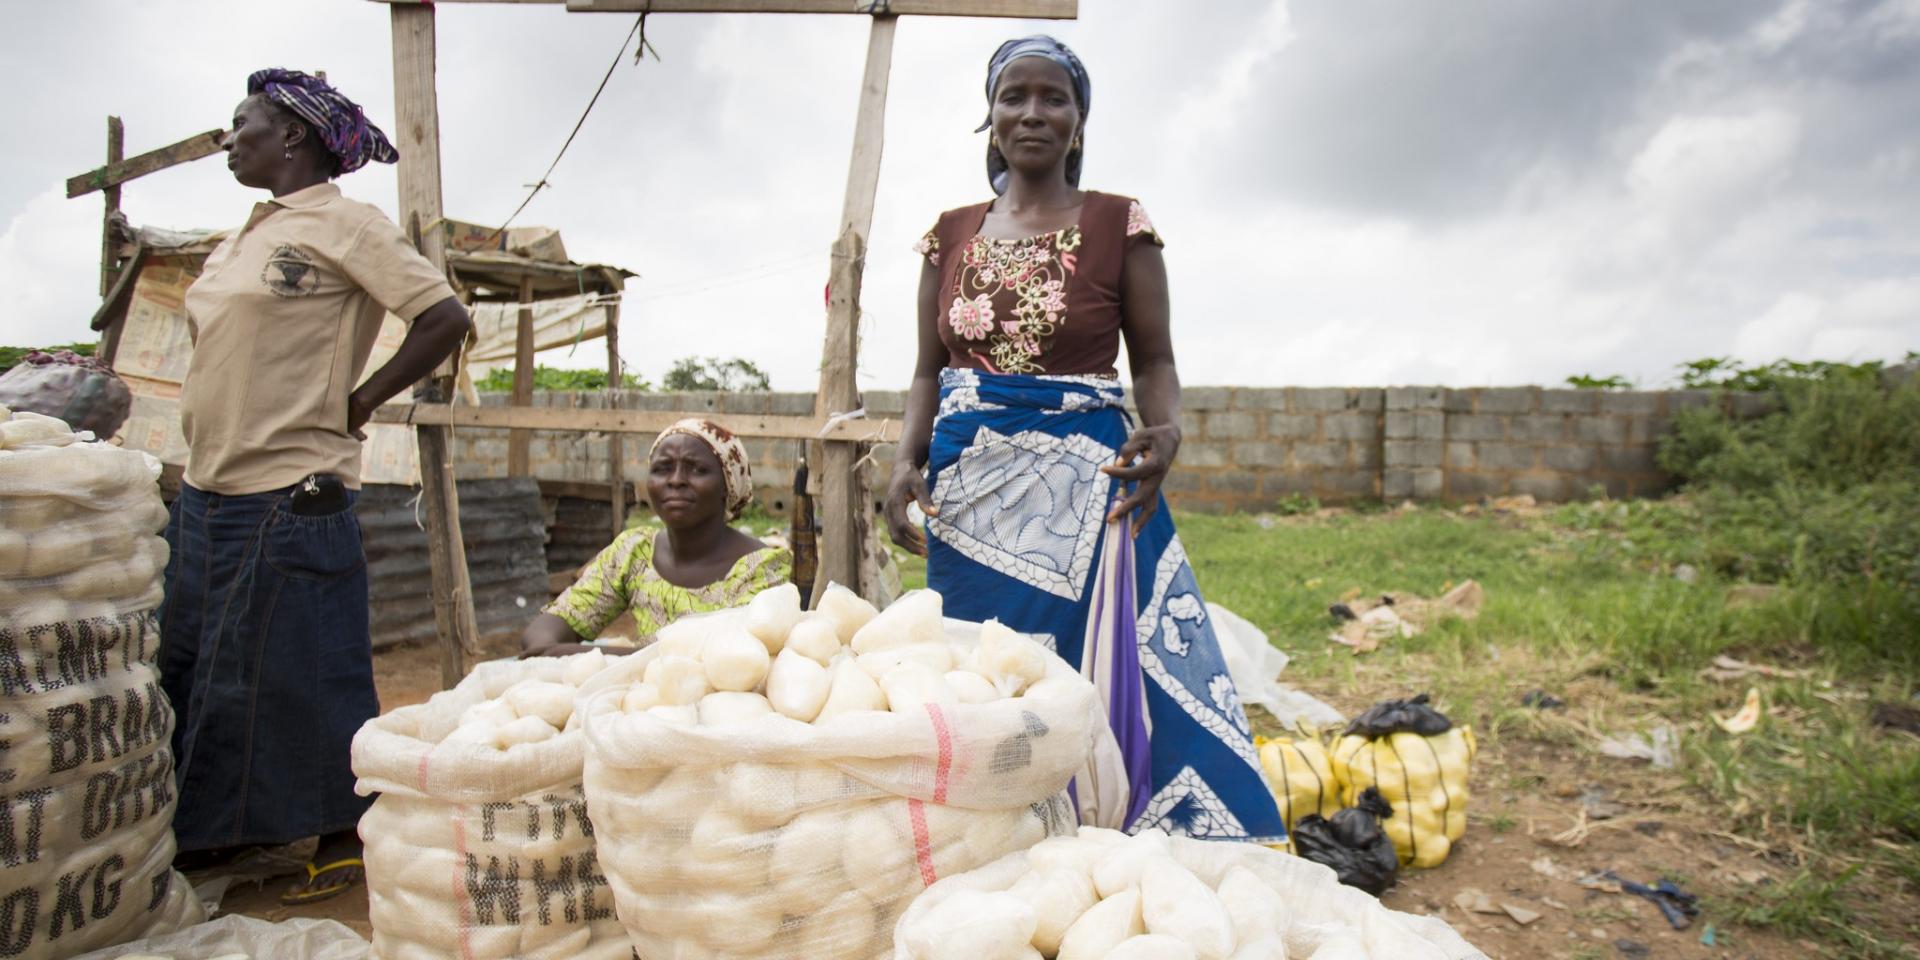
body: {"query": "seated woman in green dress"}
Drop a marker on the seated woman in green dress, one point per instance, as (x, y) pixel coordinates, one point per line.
(698, 479)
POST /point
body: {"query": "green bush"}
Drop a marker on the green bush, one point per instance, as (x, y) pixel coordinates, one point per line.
(1837, 431)
(10, 356)
(1824, 490)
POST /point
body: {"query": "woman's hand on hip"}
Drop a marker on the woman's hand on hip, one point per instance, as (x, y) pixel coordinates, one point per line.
(1144, 459)
(908, 484)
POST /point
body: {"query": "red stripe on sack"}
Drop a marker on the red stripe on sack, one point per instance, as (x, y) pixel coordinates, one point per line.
(922, 842)
(421, 776)
(943, 770)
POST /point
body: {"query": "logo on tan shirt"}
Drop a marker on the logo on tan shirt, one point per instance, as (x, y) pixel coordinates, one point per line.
(290, 273)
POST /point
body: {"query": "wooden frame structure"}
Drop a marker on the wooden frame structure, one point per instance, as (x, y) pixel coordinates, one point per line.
(835, 439)
(834, 432)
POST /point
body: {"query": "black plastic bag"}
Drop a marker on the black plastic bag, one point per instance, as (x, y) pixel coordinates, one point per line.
(1352, 843)
(1400, 716)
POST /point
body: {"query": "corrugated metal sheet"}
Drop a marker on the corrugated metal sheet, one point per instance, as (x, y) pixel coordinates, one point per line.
(504, 525)
(577, 531)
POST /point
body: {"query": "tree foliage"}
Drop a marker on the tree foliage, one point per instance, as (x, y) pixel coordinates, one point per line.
(714, 374)
(500, 380)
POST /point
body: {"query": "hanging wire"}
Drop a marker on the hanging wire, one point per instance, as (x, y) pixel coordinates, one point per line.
(640, 30)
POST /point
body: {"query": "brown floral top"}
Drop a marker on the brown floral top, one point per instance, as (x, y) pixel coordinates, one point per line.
(1046, 304)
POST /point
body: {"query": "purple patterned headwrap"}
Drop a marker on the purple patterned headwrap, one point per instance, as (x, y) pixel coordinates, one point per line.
(1047, 48)
(342, 127)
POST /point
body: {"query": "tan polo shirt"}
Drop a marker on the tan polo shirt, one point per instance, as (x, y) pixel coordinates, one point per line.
(284, 316)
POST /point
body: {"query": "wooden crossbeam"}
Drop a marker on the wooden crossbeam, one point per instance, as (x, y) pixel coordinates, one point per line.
(153, 161)
(1035, 9)
(636, 421)
(1031, 9)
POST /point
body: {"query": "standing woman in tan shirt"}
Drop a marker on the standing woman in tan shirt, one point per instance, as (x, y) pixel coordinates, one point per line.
(265, 654)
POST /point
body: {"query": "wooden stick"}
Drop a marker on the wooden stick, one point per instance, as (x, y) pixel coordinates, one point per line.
(417, 135)
(520, 442)
(120, 171)
(616, 444)
(843, 495)
(1034, 9)
(636, 421)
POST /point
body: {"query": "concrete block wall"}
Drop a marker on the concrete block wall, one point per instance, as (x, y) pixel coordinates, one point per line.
(1555, 445)
(1249, 448)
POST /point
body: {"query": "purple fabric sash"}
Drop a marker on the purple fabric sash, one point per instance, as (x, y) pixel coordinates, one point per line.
(1111, 660)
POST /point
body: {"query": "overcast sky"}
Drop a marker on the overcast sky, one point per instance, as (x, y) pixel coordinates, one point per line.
(1352, 192)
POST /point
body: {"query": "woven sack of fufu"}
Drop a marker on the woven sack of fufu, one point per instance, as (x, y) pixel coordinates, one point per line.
(479, 846)
(1103, 895)
(768, 783)
(86, 770)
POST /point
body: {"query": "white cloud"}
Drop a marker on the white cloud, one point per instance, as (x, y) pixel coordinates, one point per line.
(1785, 330)
(1730, 179)
(51, 283)
(1701, 163)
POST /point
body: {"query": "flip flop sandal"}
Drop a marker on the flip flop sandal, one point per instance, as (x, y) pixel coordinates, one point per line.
(309, 893)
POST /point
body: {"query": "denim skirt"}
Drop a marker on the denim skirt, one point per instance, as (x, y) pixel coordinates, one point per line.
(266, 657)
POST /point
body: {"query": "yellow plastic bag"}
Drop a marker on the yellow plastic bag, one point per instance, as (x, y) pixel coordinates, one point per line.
(1300, 774)
(1423, 775)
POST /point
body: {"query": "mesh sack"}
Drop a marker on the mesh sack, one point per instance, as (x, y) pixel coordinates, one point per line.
(1424, 779)
(86, 770)
(78, 525)
(1301, 777)
(1309, 908)
(478, 853)
(777, 838)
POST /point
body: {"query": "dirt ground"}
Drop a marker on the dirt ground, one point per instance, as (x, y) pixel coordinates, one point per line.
(1525, 847)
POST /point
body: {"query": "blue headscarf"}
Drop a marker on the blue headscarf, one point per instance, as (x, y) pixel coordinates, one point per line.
(342, 127)
(1045, 47)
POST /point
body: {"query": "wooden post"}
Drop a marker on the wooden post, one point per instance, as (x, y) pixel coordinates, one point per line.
(109, 261)
(520, 442)
(616, 444)
(116, 151)
(417, 135)
(843, 497)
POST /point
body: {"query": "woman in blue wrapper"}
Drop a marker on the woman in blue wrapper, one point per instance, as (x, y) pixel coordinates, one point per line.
(1042, 497)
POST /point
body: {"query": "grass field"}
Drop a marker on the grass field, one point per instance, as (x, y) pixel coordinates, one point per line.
(1613, 606)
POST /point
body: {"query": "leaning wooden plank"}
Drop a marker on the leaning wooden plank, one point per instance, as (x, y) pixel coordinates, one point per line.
(153, 161)
(637, 421)
(1036, 9)
(114, 307)
(417, 135)
(843, 497)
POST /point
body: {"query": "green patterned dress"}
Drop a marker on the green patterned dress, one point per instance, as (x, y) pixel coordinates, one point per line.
(622, 578)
